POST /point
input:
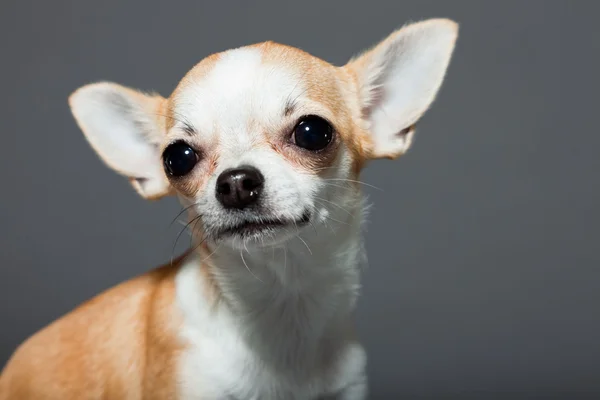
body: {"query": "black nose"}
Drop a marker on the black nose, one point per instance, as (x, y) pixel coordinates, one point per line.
(239, 187)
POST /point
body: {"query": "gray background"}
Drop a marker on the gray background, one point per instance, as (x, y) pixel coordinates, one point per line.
(484, 278)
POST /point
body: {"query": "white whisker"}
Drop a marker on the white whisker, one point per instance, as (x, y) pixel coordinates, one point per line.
(306, 244)
(247, 267)
(353, 181)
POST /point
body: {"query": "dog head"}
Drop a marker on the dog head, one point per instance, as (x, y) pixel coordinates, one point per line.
(261, 140)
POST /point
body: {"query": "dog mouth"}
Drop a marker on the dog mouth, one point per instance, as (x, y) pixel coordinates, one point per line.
(264, 226)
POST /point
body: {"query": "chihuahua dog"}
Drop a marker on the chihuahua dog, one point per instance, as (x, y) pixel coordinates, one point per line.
(264, 145)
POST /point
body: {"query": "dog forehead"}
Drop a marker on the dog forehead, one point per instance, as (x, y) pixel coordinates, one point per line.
(238, 86)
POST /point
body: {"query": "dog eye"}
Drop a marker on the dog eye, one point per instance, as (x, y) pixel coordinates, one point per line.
(179, 159)
(313, 133)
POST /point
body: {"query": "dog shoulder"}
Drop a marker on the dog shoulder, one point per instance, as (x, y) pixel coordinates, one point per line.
(100, 349)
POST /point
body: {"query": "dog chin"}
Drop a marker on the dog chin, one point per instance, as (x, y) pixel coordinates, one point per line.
(262, 232)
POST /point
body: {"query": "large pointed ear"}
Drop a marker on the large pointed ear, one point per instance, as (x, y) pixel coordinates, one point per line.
(125, 128)
(398, 80)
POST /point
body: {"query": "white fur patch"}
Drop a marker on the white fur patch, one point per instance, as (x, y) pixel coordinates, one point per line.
(238, 90)
(264, 338)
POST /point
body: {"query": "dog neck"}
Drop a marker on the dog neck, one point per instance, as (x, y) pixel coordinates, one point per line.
(292, 304)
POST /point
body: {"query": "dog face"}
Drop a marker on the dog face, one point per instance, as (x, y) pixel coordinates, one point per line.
(262, 141)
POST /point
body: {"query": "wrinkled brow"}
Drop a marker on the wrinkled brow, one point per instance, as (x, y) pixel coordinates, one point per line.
(290, 106)
(188, 129)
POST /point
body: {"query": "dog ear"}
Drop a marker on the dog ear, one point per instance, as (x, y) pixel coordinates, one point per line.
(125, 128)
(399, 79)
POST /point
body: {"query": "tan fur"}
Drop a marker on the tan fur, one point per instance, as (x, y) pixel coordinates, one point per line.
(119, 345)
(195, 74)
